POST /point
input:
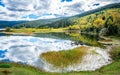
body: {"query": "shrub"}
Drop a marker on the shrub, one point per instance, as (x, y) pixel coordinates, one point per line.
(8, 29)
(5, 66)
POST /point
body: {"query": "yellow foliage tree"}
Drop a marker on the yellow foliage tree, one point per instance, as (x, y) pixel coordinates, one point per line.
(99, 23)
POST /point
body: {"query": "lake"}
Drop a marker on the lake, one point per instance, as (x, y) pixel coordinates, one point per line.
(27, 50)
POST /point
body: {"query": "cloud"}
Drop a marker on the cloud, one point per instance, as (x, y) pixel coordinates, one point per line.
(18, 9)
(76, 7)
(21, 5)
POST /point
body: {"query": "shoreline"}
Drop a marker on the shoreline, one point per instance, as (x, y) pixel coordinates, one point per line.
(103, 70)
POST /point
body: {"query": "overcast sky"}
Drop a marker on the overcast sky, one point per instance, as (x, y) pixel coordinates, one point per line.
(42, 9)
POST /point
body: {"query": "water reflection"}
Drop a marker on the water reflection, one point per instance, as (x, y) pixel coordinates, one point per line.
(82, 39)
(3, 34)
(2, 53)
(27, 48)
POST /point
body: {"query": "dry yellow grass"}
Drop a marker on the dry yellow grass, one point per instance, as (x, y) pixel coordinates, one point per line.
(66, 57)
(36, 30)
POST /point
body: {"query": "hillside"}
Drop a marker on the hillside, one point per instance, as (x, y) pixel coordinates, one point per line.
(4, 24)
(36, 23)
(103, 21)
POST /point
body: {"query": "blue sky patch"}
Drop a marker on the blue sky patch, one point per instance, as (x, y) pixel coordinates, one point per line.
(66, 0)
(2, 4)
(24, 17)
(97, 4)
(32, 16)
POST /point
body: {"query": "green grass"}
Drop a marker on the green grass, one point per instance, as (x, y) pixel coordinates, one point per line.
(65, 58)
(18, 69)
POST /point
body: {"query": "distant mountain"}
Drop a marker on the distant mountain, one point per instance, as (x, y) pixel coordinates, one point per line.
(4, 24)
(63, 22)
(37, 23)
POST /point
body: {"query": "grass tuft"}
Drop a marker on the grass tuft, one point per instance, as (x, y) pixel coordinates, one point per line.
(65, 58)
(115, 53)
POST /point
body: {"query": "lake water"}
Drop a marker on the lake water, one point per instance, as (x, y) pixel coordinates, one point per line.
(27, 49)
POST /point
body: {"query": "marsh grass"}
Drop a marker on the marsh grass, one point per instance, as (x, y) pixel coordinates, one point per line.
(65, 58)
(36, 30)
(115, 53)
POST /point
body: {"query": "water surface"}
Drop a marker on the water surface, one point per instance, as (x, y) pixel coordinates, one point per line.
(27, 49)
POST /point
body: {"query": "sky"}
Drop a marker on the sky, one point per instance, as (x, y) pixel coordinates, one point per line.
(14, 10)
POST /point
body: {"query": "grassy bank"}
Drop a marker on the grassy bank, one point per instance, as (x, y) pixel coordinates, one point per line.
(36, 30)
(115, 53)
(29, 31)
(17, 69)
